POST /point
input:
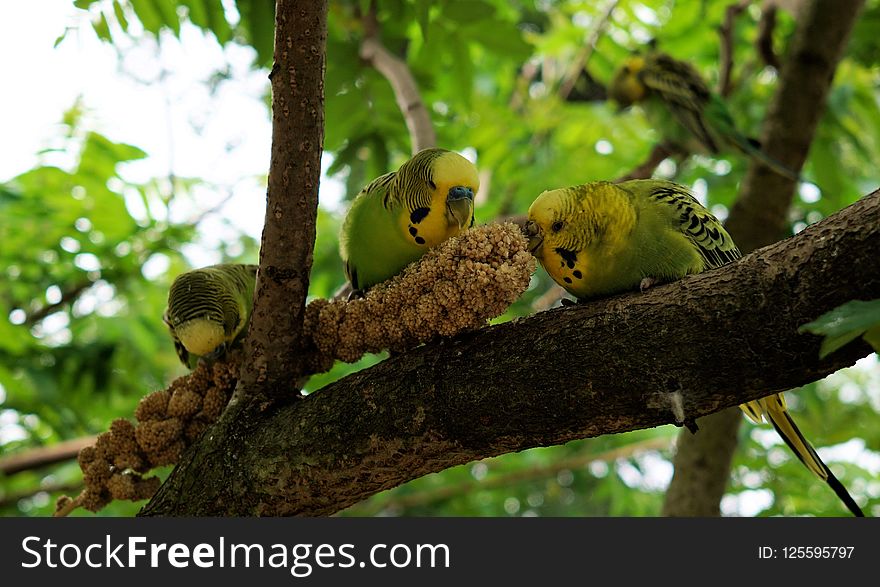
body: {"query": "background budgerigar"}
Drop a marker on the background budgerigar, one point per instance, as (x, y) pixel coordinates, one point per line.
(602, 238)
(682, 108)
(208, 309)
(399, 215)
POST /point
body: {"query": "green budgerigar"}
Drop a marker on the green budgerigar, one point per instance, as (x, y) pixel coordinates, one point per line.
(601, 238)
(682, 108)
(400, 215)
(208, 310)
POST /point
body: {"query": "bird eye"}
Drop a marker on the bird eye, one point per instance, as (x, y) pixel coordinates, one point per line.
(556, 226)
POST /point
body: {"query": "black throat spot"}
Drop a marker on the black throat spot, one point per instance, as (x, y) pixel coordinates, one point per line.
(418, 215)
(570, 257)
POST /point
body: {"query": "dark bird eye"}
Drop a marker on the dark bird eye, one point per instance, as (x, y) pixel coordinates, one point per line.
(556, 226)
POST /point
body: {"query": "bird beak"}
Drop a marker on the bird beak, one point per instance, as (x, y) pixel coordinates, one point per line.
(534, 234)
(460, 204)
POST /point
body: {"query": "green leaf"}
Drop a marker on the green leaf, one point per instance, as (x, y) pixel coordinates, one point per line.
(258, 20)
(844, 324)
(873, 338)
(147, 14)
(167, 11)
(466, 11)
(423, 15)
(216, 18)
(120, 15)
(102, 28)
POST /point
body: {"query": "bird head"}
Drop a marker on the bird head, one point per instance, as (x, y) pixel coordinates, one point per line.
(550, 220)
(626, 88)
(457, 178)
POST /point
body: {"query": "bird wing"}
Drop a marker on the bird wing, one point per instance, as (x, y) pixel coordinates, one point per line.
(684, 93)
(712, 241)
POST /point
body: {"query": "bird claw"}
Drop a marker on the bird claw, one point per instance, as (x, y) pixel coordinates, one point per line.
(646, 283)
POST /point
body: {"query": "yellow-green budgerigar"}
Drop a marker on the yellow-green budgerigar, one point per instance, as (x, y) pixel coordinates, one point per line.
(680, 106)
(208, 310)
(399, 215)
(601, 238)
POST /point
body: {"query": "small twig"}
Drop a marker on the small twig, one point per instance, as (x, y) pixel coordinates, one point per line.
(764, 42)
(398, 74)
(69, 506)
(67, 297)
(646, 169)
(46, 455)
(526, 474)
(726, 56)
(583, 56)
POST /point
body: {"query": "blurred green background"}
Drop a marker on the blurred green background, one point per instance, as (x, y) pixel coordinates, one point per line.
(90, 241)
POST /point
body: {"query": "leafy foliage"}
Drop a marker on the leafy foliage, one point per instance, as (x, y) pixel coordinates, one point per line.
(846, 323)
(84, 340)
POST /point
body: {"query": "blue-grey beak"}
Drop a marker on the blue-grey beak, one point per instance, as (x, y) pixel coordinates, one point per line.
(459, 193)
(460, 206)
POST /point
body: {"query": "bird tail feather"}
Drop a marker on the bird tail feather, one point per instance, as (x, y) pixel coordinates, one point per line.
(752, 148)
(774, 410)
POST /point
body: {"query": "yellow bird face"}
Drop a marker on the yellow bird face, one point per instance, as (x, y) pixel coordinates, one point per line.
(449, 182)
(626, 88)
(555, 237)
(576, 232)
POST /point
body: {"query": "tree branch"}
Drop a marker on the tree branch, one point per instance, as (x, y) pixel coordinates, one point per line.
(67, 297)
(272, 357)
(45, 455)
(423, 498)
(726, 51)
(646, 169)
(616, 364)
(406, 92)
(583, 56)
(764, 42)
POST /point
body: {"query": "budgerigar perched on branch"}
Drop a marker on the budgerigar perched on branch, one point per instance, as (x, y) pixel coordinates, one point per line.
(601, 238)
(208, 310)
(400, 215)
(680, 106)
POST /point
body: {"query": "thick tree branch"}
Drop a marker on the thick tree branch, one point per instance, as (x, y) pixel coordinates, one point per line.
(759, 217)
(274, 337)
(406, 92)
(613, 365)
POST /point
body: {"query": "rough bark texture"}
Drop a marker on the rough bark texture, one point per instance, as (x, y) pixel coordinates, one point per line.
(613, 365)
(759, 217)
(271, 348)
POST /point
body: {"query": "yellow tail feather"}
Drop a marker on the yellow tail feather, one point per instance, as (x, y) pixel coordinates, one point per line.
(773, 409)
